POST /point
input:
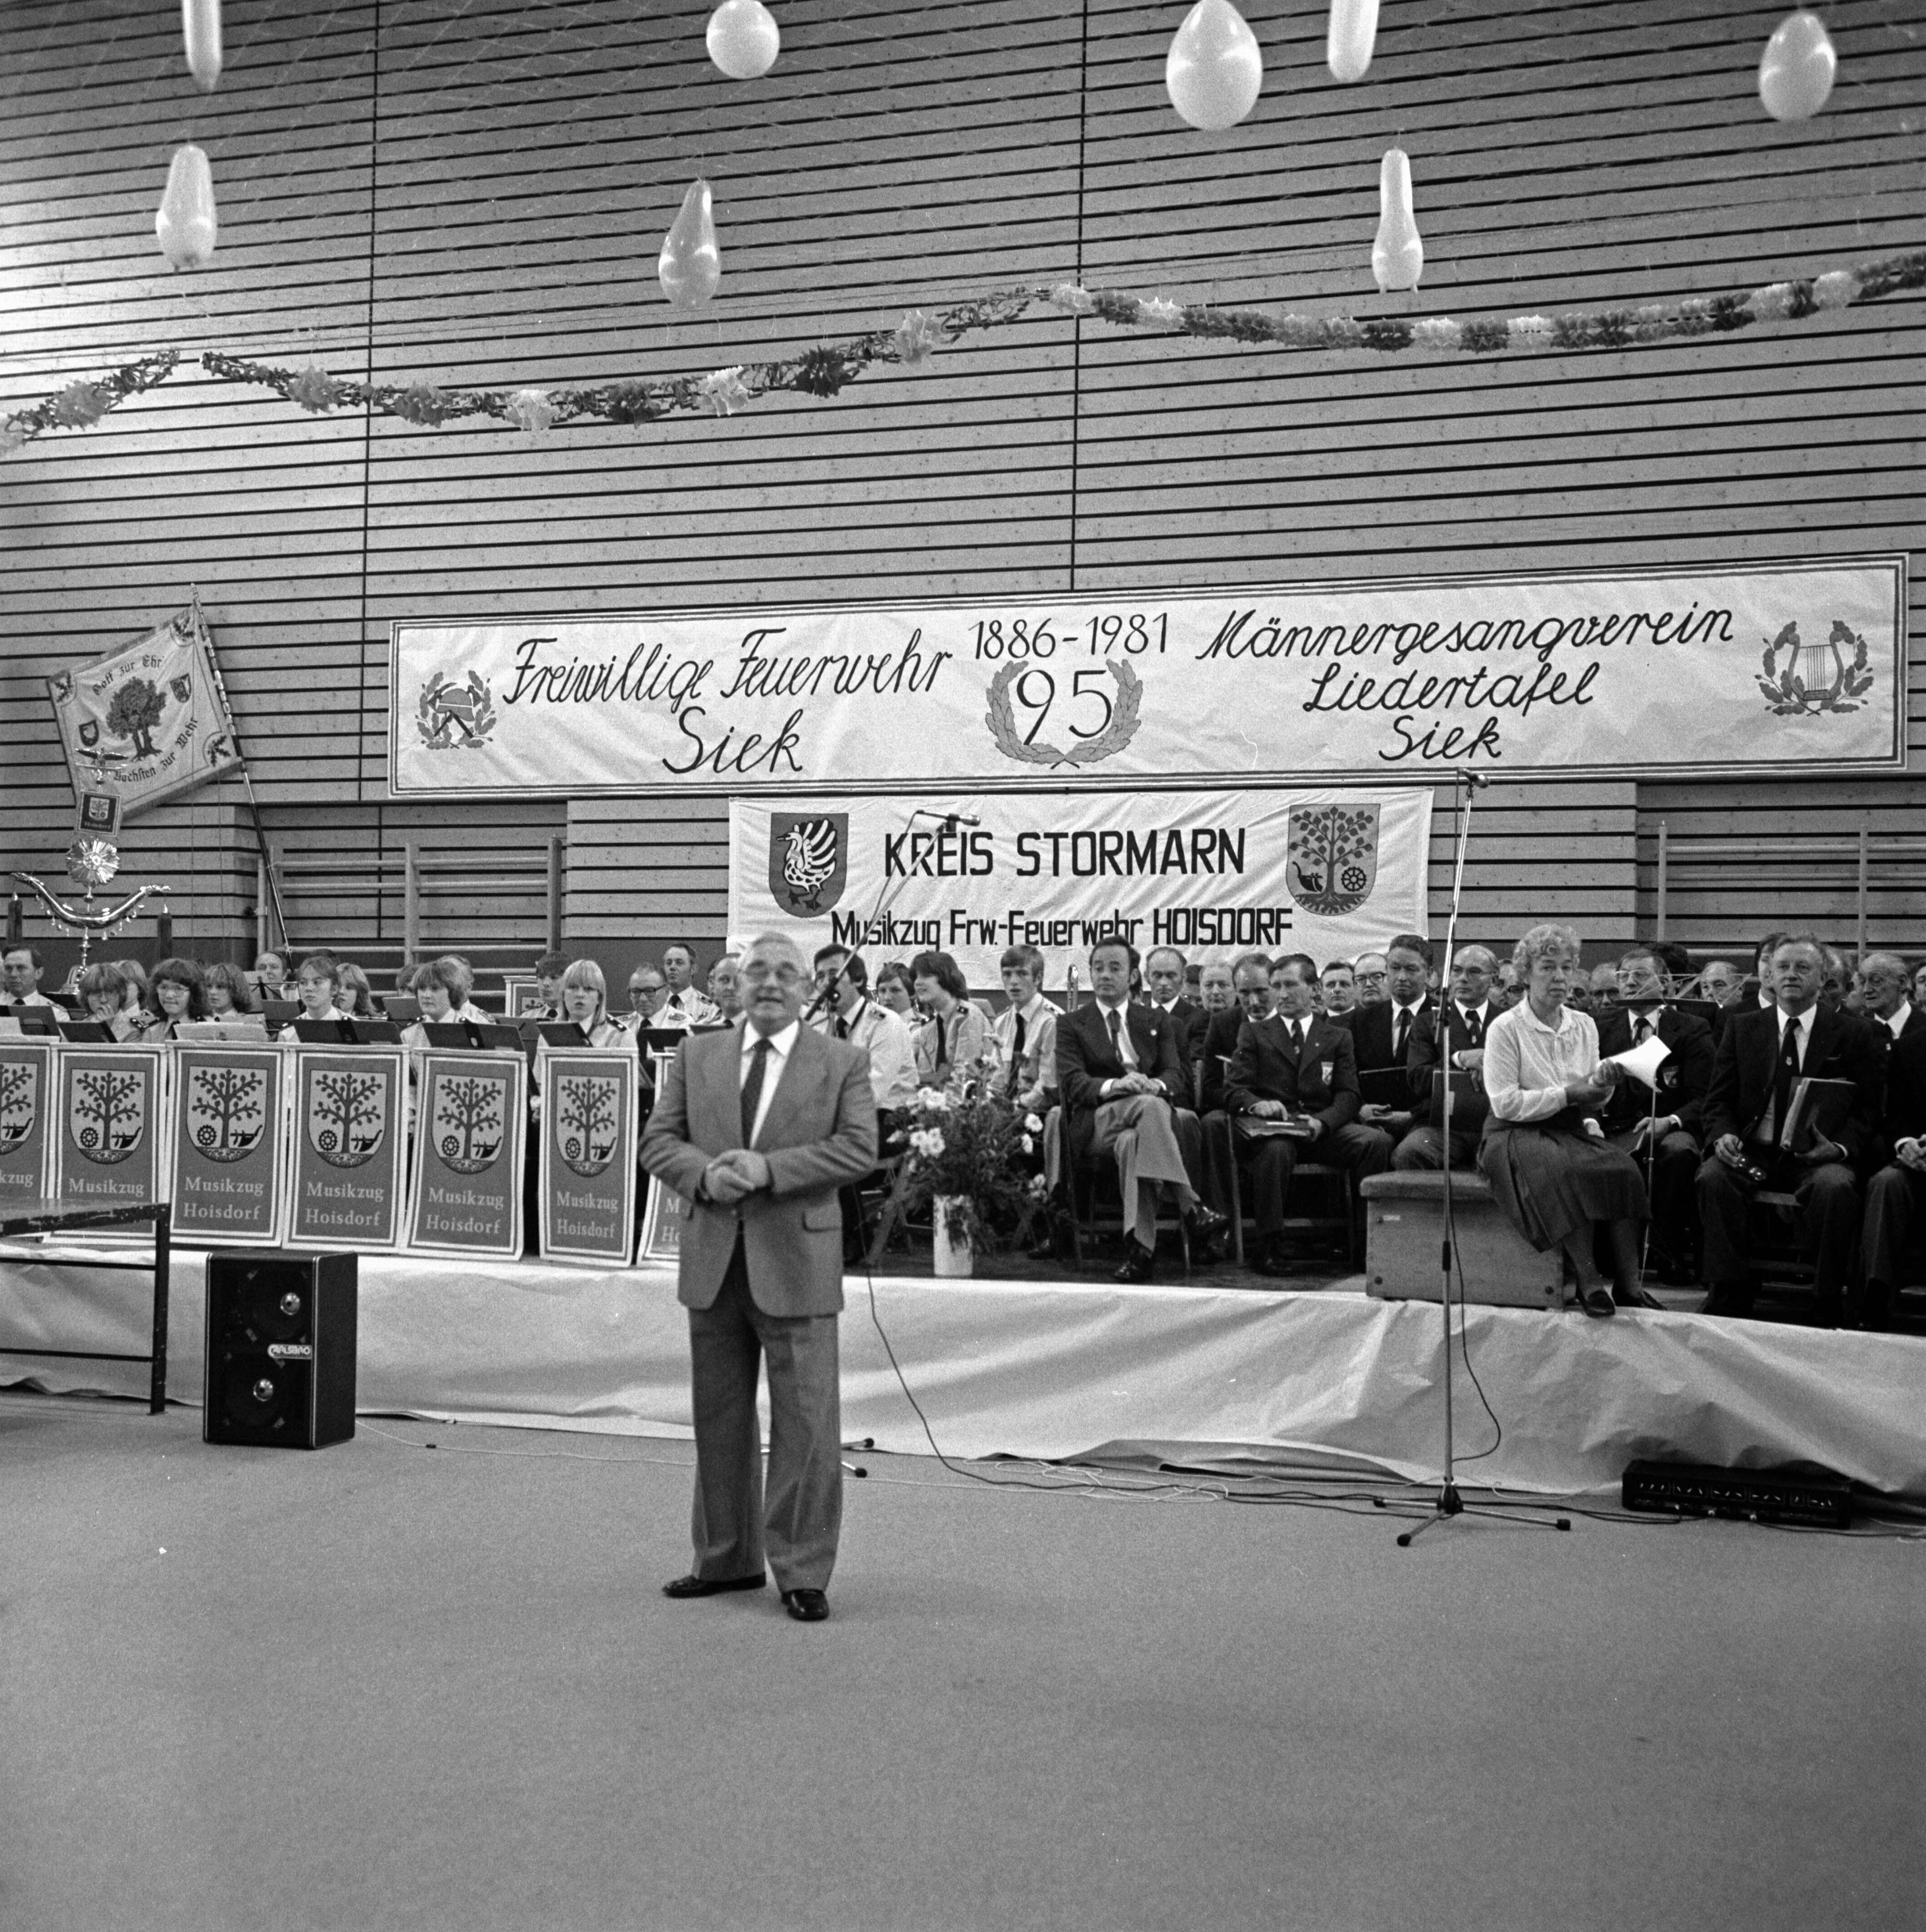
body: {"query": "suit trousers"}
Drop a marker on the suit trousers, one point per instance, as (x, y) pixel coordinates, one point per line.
(1273, 1159)
(1895, 1206)
(1672, 1170)
(1828, 1216)
(1423, 1149)
(797, 1519)
(1153, 1142)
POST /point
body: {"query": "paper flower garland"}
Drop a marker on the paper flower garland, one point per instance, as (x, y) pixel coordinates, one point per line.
(725, 392)
(531, 410)
(916, 338)
(314, 389)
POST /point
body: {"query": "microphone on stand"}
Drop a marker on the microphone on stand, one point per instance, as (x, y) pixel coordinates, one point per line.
(950, 820)
(1473, 779)
(823, 993)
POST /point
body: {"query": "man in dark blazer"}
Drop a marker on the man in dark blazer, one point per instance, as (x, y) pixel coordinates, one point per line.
(1125, 1086)
(757, 1128)
(1466, 1016)
(1382, 1033)
(1164, 969)
(1662, 1129)
(1250, 976)
(1896, 1194)
(1296, 1065)
(1759, 1060)
(1886, 988)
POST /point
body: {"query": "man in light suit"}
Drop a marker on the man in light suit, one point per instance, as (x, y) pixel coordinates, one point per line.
(757, 1128)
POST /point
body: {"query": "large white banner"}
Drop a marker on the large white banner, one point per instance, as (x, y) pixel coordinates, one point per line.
(1333, 873)
(1780, 668)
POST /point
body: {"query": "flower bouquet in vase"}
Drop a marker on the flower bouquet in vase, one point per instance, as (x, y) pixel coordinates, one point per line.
(967, 1149)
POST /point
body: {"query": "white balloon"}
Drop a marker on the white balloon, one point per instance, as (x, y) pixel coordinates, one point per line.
(690, 266)
(200, 28)
(744, 39)
(185, 222)
(1352, 35)
(1795, 71)
(1397, 256)
(1214, 71)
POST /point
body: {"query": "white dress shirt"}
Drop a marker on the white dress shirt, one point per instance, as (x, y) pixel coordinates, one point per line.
(1768, 1129)
(1527, 1063)
(1894, 1022)
(1037, 1076)
(779, 1045)
(688, 1008)
(884, 1036)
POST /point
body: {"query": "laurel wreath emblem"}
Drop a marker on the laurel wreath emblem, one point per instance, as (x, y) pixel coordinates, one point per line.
(1001, 719)
(461, 722)
(1788, 695)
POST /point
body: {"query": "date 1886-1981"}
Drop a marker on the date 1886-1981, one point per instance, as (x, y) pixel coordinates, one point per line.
(999, 637)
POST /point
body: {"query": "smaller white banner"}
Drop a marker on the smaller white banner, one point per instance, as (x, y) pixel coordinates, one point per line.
(1332, 873)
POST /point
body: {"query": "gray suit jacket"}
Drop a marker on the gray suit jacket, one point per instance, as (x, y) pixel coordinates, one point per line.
(820, 1132)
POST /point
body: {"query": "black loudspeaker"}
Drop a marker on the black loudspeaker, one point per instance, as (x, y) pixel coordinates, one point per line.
(280, 1349)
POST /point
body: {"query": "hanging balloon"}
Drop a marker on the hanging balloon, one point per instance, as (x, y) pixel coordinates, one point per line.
(200, 25)
(1352, 34)
(1397, 256)
(691, 264)
(185, 223)
(1796, 71)
(1214, 71)
(744, 39)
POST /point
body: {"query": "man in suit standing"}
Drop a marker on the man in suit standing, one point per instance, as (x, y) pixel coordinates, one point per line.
(757, 1128)
(1466, 1016)
(1896, 1195)
(1660, 1128)
(1760, 1059)
(1296, 1065)
(1124, 1083)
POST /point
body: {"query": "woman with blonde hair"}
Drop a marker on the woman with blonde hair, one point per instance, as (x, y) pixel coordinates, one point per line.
(1544, 1152)
(353, 994)
(227, 991)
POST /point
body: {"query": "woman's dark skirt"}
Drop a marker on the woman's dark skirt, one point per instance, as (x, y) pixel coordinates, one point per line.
(1552, 1178)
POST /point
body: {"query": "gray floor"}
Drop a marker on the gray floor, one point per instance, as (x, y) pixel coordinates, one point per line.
(387, 1686)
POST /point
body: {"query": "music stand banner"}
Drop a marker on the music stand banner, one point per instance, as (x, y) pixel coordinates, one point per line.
(230, 1143)
(110, 1130)
(470, 1153)
(348, 1147)
(588, 1155)
(26, 1101)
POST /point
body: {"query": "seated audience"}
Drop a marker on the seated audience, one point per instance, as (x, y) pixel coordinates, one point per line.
(1884, 996)
(314, 986)
(895, 990)
(1026, 1032)
(725, 988)
(1339, 984)
(1299, 1066)
(1835, 984)
(1216, 990)
(104, 986)
(176, 991)
(1896, 1194)
(648, 991)
(1120, 1073)
(271, 975)
(1661, 1128)
(1550, 1168)
(1369, 973)
(1504, 993)
(1604, 985)
(226, 992)
(353, 996)
(683, 1006)
(1756, 989)
(1719, 981)
(1164, 970)
(1251, 975)
(1383, 1032)
(1468, 1015)
(1761, 1057)
(957, 1042)
(21, 967)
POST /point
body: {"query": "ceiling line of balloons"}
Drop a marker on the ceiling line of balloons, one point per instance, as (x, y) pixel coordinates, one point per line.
(826, 368)
(1213, 74)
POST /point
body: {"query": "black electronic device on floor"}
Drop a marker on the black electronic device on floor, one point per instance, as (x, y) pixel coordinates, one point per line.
(281, 1348)
(1802, 1494)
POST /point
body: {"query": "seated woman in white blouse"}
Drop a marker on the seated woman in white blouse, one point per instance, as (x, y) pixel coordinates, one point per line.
(314, 986)
(1550, 1168)
(585, 1001)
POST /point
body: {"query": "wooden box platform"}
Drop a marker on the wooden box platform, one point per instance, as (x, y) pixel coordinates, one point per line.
(1404, 1224)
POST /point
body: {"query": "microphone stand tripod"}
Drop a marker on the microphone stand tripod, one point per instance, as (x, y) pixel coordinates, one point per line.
(1448, 1503)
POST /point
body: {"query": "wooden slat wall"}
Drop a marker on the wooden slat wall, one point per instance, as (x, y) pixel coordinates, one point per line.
(474, 193)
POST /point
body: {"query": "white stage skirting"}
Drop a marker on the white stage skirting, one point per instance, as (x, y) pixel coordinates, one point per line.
(1056, 1371)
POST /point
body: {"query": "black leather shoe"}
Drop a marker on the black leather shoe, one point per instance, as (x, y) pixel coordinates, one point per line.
(693, 1585)
(1205, 1224)
(1273, 1261)
(1635, 1298)
(1138, 1262)
(806, 1607)
(1050, 1246)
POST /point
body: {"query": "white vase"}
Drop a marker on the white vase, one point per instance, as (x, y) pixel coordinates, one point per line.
(952, 1252)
